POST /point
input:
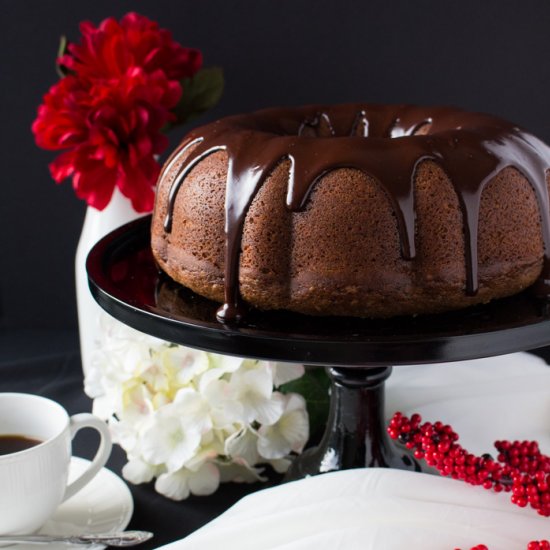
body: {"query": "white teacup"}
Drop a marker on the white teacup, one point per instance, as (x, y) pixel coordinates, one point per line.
(33, 482)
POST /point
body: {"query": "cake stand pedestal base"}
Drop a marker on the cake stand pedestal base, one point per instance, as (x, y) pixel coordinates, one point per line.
(355, 436)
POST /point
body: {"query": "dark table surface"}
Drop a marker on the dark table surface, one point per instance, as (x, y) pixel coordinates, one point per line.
(48, 363)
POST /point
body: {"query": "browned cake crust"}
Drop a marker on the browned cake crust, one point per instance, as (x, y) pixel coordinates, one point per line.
(341, 254)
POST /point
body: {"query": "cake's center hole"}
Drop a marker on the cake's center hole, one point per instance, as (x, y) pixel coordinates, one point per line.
(320, 126)
(399, 129)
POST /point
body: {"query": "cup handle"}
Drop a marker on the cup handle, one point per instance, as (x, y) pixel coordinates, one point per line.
(87, 420)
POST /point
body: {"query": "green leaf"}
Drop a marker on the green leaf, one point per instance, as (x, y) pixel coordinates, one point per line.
(314, 386)
(200, 93)
(61, 50)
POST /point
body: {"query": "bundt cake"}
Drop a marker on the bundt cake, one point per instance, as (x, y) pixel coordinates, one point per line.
(359, 210)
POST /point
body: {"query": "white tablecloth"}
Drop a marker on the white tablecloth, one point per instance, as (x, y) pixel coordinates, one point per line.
(377, 509)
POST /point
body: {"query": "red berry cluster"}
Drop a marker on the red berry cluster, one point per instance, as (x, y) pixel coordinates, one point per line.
(520, 468)
(533, 545)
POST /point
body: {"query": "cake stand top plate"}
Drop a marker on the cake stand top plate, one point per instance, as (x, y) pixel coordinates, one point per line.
(126, 282)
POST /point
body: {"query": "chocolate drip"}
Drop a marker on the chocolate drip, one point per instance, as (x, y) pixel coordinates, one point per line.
(386, 142)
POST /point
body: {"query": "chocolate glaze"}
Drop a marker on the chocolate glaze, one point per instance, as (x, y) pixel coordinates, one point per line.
(386, 141)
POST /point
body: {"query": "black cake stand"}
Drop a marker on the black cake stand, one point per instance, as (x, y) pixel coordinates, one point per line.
(358, 354)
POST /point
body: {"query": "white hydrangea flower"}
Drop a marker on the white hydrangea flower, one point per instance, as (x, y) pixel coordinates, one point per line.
(193, 419)
(136, 400)
(285, 372)
(289, 433)
(138, 471)
(192, 409)
(226, 411)
(180, 484)
(242, 447)
(225, 363)
(185, 363)
(280, 465)
(125, 433)
(253, 383)
(166, 441)
(240, 473)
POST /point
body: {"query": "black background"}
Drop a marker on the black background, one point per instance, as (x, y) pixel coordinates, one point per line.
(489, 56)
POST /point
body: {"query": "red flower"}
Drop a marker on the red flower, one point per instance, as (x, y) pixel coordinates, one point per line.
(113, 48)
(108, 114)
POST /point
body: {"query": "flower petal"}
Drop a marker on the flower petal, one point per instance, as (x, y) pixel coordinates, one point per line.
(266, 411)
(94, 183)
(242, 447)
(290, 433)
(286, 372)
(137, 471)
(167, 441)
(174, 485)
(205, 480)
(63, 166)
(240, 473)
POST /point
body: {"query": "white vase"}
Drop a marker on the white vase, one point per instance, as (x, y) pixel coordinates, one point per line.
(96, 225)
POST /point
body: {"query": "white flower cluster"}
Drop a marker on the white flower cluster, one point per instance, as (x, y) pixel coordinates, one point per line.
(192, 419)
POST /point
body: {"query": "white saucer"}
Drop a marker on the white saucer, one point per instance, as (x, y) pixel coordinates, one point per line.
(104, 505)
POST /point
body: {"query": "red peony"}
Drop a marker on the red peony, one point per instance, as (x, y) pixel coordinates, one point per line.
(113, 48)
(108, 114)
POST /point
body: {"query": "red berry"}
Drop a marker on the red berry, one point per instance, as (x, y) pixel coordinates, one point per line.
(520, 468)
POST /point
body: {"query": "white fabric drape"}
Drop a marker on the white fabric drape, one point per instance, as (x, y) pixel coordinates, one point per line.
(377, 509)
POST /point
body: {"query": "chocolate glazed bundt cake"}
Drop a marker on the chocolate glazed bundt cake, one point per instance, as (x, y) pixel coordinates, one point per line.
(360, 210)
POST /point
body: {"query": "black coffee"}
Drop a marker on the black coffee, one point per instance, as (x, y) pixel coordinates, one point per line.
(13, 443)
